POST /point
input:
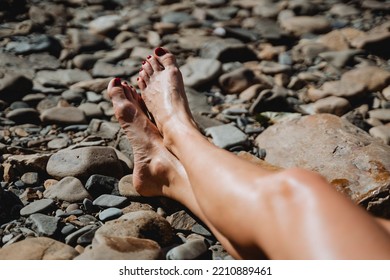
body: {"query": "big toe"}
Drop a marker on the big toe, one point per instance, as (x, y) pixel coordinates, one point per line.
(164, 57)
(115, 90)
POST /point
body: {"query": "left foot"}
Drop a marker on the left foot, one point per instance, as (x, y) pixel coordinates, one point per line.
(152, 161)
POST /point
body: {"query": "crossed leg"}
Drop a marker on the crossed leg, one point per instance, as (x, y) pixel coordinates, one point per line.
(292, 214)
(157, 172)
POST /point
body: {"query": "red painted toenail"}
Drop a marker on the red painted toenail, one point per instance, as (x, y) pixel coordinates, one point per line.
(141, 69)
(143, 62)
(160, 51)
(138, 79)
(117, 82)
(149, 57)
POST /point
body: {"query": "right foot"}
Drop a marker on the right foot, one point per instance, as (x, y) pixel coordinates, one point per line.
(162, 89)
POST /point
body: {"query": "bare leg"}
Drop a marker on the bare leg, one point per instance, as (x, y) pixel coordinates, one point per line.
(293, 214)
(157, 172)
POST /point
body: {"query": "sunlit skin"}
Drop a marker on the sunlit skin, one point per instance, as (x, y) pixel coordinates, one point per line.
(289, 214)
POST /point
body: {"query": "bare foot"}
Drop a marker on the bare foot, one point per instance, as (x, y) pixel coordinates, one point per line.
(152, 161)
(162, 89)
(156, 171)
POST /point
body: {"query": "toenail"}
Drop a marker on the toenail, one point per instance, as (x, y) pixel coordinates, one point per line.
(143, 62)
(117, 82)
(138, 79)
(160, 51)
(141, 69)
(149, 57)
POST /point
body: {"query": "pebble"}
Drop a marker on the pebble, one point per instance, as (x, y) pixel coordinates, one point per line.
(247, 65)
(110, 214)
(44, 225)
(97, 185)
(63, 116)
(40, 248)
(38, 206)
(190, 250)
(30, 178)
(127, 189)
(199, 72)
(68, 189)
(140, 224)
(121, 248)
(107, 200)
(84, 162)
(225, 136)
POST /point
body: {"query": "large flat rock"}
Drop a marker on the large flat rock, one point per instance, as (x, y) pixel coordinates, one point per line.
(353, 161)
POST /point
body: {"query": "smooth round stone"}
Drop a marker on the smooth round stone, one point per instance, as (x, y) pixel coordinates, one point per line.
(121, 248)
(110, 214)
(68, 229)
(58, 143)
(30, 178)
(107, 200)
(126, 187)
(188, 251)
(71, 239)
(68, 189)
(18, 105)
(24, 115)
(84, 162)
(63, 116)
(37, 206)
(80, 127)
(86, 238)
(40, 248)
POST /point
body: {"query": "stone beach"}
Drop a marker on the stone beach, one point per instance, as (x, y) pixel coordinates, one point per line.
(287, 83)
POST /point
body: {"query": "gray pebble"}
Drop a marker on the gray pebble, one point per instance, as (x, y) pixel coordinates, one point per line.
(110, 214)
(107, 200)
(37, 206)
(44, 225)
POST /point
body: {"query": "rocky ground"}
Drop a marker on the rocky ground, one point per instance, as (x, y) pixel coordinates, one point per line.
(297, 83)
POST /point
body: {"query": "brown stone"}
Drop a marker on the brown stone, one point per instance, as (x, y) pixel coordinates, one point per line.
(40, 248)
(354, 162)
(334, 40)
(121, 248)
(140, 224)
(305, 24)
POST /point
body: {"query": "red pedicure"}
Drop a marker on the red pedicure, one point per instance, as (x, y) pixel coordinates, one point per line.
(117, 82)
(160, 51)
(141, 69)
(143, 62)
(149, 57)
